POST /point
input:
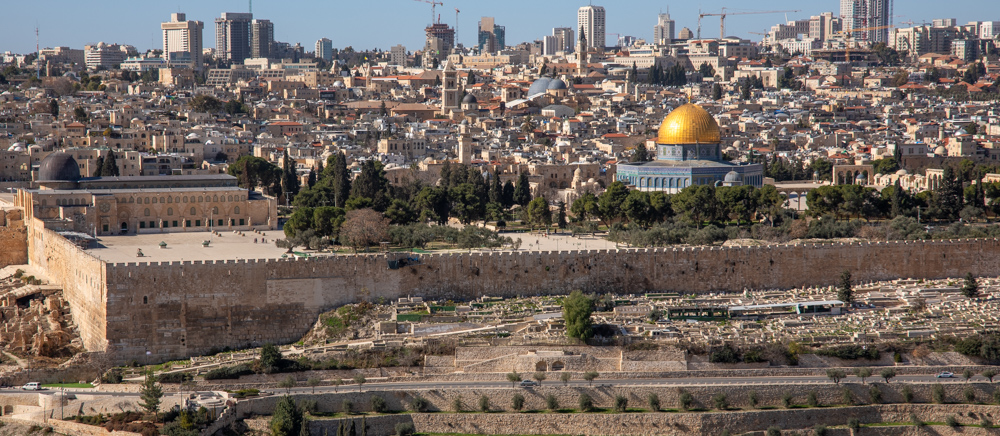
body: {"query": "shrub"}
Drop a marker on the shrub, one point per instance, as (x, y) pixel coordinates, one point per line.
(419, 404)
(686, 400)
(456, 404)
(378, 404)
(970, 395)
(819, 430)
(937, 394)
(875, 394)
(484, 404)
(996, 396)
(914, 420)
(726, 354)
(621, 404)
(654, 402)
(950, 421)
(753, 398)
(812, 400)
(907, 394)
(850, 352)
(985, 422)
(854, 424)
(347, 406)
(229, 372)
(404, 429)
(847, 397)
(586, 403)
(551, 402)
(517, 402)
(174, 377)
(786, 400)
(308, 406)
(773, 431)
(720, 402)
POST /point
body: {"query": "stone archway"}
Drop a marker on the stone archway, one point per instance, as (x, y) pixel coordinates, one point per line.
(540, 366)
(558, 366)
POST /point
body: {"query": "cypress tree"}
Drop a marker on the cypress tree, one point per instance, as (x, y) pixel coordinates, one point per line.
(99, 167)
(109, 168)
(508, 194)
(289, 181)
(496, 189)
(522, 191)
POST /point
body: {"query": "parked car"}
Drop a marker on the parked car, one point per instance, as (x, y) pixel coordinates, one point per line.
(946, 374)
(528, 383)
(33, 386)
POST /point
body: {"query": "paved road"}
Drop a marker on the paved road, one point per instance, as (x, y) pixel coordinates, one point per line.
(692, 381)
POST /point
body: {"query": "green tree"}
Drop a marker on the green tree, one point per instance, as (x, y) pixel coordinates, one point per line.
(54, 108)
(716, 92)
(287, 383)
(863, 374)
(80, 114)
(585, 206)
(206, 103)
(577, 308)
(508, 194)
(496, 189)
(887, 374)
(513, 378)
(696, 203)
(641, 154)
(522, 191)
(637, 208)
(289, 179)
(845, 291)
(286, 419)
(338, 177)
(270, 358)
(150, 394)
(433, 204)
(609, 204)
(109, 166)
(372, 184)
(836, 375)
(539, 213)
(970, 289)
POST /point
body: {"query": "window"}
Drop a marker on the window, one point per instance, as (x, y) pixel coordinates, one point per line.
(236, 210)
(170, 211)
(193, 211)
(146, 212)
(170, 199)
(215, 198)
(154, 200)
(152, 224)
(241, 221)
(187, 223)
(104, 228)
(185, 199)
(142, 224)
(230, 198)
(177, 199)
(220, 222)
(145, 299)
(215, 210)
(147, 200)
(131, 200)
(197, 223)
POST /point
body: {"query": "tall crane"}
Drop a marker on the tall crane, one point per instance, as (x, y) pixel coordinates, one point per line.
(456, 26)
(434, 5)
(722, 18)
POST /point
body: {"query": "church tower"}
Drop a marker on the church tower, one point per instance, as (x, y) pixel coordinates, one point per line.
(451, 93)
(582, 55)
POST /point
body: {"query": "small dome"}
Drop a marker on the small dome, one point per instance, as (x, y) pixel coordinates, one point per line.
(556, 84)
(732, 177)
(860, 177)
(738, 143)
(941, 151)
(689, 124)
(901, 173)
(469, 99)
(59, 166)
(18, 146)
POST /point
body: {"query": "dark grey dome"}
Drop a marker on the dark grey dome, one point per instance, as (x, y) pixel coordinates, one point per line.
(59, 166)
(539, 86)
(556, 84)
(469, 98)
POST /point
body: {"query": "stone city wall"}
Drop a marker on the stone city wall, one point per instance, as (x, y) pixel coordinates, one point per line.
(13, 238)
(178, 309)
(82, 277)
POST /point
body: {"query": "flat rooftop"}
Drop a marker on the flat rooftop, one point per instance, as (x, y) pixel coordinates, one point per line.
(188, 246)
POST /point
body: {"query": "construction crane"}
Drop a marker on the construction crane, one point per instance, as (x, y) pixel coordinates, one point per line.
(722, 18)
(456, 26)
(434, 5)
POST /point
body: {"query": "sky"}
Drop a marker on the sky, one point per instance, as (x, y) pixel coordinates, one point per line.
(369, 24)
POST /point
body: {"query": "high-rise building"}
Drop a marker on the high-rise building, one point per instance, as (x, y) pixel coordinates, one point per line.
(564, 39)
(873, 15)
(261, 39)
(324, 49)
(182, 41)
(663, 31)
(591, 20)
(492, 38)
(822, 27)
(397, 55)
(550, 45)
(232, 36)
(440, 41)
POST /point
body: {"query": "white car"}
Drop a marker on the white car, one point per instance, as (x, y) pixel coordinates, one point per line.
(946, 374)
(33, 386)
(528, 383)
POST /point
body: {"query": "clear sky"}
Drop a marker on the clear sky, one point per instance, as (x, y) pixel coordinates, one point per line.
(383, 23)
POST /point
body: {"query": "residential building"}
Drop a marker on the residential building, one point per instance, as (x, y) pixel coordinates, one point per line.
(107, 56)
(397, 55)
(492, 38)
(592, 20)
(182, 41)
(564, 39)
(867, 14)
(550, 45)
(663, 31)
(324, 49)
(261, 39)
(232, 36)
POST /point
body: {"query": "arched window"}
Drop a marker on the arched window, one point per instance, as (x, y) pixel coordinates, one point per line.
(170, 211)
(215, 198)
(236, 210)
(147, 200)
(170, 199)
(146, 212)
(193, 212)
(155, 199)
(185, 199)
(131, 200)
(177, 199)
(215, 210)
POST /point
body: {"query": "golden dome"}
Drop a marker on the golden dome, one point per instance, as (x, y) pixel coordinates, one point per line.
(689, 124)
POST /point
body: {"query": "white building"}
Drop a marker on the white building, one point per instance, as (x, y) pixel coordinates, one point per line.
(107, 56)
(564, 39)
(182, 41)
(592, 20)
(324, 49)
(550, 45)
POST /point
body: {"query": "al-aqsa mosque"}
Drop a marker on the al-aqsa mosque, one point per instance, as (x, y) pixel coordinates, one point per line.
(688, 152)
